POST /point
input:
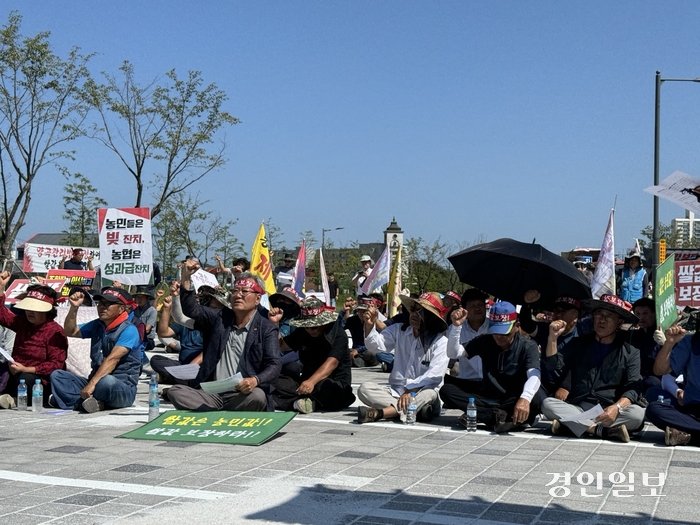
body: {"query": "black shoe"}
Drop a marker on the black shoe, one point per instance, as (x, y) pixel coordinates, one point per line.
(426, 413)
(502, 425)
(367, 414)
(52, 402)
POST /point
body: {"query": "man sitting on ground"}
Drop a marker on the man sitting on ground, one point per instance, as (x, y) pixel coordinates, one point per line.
(187, 340)
(325, 382)
(420, 361)
(680, 354)
(239, 340)
(115, 353)
(604, 371)
(510, 365)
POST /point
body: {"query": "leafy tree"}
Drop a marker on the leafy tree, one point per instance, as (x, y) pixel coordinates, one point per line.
(171, 125)
(168, 247)
(274, 236)
(40, 112)
(80, 202)
(187, 228)
(666, 231)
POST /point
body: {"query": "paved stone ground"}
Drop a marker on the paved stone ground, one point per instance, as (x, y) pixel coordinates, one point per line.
(325, 469)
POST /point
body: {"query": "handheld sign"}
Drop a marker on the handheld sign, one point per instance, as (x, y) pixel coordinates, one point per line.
(665, 293)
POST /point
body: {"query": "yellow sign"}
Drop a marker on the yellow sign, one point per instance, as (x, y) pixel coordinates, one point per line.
(662, 250)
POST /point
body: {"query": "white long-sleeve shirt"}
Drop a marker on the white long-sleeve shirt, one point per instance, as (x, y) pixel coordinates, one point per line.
(414, 367)
(457, 338)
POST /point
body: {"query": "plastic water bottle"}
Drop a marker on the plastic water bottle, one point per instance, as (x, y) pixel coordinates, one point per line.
(37, 396)
(22, 395)
(153, 399)
(661, 400)
(411, 410)
(471, 415)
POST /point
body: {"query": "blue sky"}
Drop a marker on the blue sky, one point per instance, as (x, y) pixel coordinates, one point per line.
(461, 119)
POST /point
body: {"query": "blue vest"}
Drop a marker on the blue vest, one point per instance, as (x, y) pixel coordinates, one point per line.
(631, 288)
(101, 345)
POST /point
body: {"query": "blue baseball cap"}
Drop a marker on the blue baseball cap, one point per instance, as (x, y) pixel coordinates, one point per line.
(502, 317)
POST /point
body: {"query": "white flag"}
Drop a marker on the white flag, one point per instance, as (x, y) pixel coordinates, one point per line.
(603, 281)
(324, 278)
(637, 247)
(379, 275)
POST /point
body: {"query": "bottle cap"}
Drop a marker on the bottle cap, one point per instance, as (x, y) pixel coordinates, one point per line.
(21, 380)
(37, 381)
(471, 399)
(413, 394)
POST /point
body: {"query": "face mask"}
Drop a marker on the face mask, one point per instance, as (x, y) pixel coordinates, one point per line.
(288, 309)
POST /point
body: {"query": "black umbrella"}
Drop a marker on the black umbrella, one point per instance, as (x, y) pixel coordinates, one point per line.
(506, 269)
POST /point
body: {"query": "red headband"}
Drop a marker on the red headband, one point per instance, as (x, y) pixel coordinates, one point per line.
(504, 318)
(311, 312)
(250, 283)
(35, 294)
(119, 296)
(614, 299)
(568, 300)
(454, 296)
(432, 300)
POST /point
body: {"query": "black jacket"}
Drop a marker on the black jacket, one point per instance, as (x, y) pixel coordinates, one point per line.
(262, 349)
(618, 375)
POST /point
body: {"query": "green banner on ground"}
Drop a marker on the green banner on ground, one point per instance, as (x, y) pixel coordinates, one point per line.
(665, 293)
(235, 428)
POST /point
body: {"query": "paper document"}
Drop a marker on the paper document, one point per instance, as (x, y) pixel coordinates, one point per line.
(183, 372)
(225, 385)
(6, 355)
(591, 413)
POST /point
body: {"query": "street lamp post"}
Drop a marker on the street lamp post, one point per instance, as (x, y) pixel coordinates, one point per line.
(323, 235)
(657, 132)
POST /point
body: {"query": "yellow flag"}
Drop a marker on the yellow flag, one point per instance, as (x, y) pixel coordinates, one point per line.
(260, 263)
(394, 286)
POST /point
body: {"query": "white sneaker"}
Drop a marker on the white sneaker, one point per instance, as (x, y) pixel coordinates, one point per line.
(7, 401)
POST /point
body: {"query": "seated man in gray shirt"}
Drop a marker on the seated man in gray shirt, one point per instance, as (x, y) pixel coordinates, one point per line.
(239, 340)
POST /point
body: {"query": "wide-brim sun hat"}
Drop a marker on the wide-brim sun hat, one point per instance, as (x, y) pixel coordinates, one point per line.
(144, 290)
(313, 314)
(431, 303)
(35, 301)
(614, 304)
(221, 295)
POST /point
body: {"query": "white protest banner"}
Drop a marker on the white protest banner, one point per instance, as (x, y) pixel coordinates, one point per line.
(40, 258)
(202, 278)
(603, 281)
(379, 275)
(125, 245)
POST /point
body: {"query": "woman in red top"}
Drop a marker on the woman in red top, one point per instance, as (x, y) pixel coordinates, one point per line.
(41, 345)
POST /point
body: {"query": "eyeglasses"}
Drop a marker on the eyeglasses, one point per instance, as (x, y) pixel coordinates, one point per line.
(605, 316)
(104, 304)
(415, 308)
(241, 292)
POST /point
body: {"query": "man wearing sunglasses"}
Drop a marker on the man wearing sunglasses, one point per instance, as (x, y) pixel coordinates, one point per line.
(239, 341)
(115, 352)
